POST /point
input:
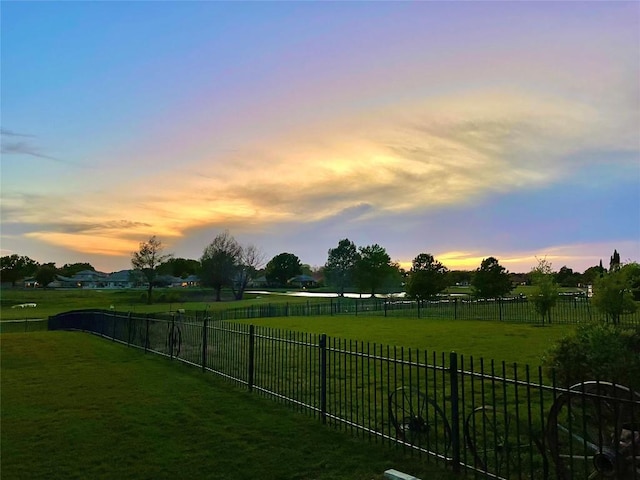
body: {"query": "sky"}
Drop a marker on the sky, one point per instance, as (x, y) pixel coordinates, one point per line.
(461, 129)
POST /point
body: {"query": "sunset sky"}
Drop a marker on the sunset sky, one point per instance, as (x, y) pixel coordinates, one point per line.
(461, 129)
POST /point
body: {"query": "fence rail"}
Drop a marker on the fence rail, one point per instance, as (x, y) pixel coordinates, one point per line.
(482, 419)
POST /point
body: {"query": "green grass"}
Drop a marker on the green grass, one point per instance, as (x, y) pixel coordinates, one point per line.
(520, 343)
(51, 302)
(76, 406)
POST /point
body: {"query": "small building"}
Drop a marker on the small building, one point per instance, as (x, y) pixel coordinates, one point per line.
(303, 281)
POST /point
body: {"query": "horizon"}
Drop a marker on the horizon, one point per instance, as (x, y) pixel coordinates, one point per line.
(462, 129)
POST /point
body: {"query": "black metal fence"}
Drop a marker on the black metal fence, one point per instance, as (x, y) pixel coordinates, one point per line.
(569, 309)
(482, 419)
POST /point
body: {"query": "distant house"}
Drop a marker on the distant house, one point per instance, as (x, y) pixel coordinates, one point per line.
(90, 279)
(191, 281)
(302, 281)
(121, 279)
(259, 282)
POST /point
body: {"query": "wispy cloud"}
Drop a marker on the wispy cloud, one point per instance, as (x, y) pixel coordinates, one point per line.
(21, 147)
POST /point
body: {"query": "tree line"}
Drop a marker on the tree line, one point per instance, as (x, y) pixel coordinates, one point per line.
(225, 263)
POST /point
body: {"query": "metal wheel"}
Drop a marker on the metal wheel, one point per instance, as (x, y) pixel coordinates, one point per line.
(593, 432)
(501, 447)
(419, 421)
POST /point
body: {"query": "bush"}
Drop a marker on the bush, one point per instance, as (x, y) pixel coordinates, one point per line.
(596, 352)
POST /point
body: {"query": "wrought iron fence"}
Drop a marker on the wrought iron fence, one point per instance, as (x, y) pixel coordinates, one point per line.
(482, 419)
(567, 310)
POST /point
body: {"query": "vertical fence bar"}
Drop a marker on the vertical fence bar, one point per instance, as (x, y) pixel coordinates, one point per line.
(146, 335)
(323, 377)
(455, 411)
(205, 341)
(171, 334)
(129, 331)
(252, 341)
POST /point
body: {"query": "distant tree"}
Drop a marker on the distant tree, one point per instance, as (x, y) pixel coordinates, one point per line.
(491, 280)
(282, 267)
(590, 275)
(613, 293)
(373, 268)
(251, 259)
(46, 274)
(427, 277)
(566, 277)
(71, 269)
(614, 261)
(147, 259)
(340, 266)
(179, 267)
(545, 289)
(15, 267)
(220, 262)
(459, 277)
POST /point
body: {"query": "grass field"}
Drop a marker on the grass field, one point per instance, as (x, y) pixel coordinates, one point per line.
(50, 302)
(521, 343)
(76, 406)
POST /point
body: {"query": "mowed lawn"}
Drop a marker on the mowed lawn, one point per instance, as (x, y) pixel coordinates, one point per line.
(501, 341)
(78, 406)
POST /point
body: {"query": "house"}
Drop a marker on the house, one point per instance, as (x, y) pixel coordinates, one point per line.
(90, 279)
(121, 279)
(302, 281)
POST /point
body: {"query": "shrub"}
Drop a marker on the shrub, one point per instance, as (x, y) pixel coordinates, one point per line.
(596, 352)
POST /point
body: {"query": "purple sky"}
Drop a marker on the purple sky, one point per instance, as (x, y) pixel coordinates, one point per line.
(461, 129)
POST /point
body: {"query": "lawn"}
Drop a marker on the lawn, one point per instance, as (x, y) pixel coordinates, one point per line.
(50, 302)
(77, 406)
(511, 342)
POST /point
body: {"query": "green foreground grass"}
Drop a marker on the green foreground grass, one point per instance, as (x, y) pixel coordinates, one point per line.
(77, 406)
(509, 342)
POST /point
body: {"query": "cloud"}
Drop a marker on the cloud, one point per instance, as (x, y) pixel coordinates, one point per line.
(24, 147)
(415, 156)
(11, 133)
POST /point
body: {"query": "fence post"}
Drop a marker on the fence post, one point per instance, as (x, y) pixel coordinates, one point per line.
(455, 308)
(500, 307)
(205, 318)
(129, 331)
(171, 334)
(455, 411)
(146, 335)
(252, 343)
(323, 377)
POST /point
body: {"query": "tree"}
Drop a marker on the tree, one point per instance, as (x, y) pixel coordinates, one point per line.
(179, 267)
(281, 268)
(15, 267)
(373, 268)
(566, 277)
(46, 274)
(545, 289)
(427, 277)
(219, 262)
(614, 261)
(251, 260)
(590, 274)
(147, 259)
(613, 293)
(340, 266)
(459, 277)
(71, 269)
(491, 280)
